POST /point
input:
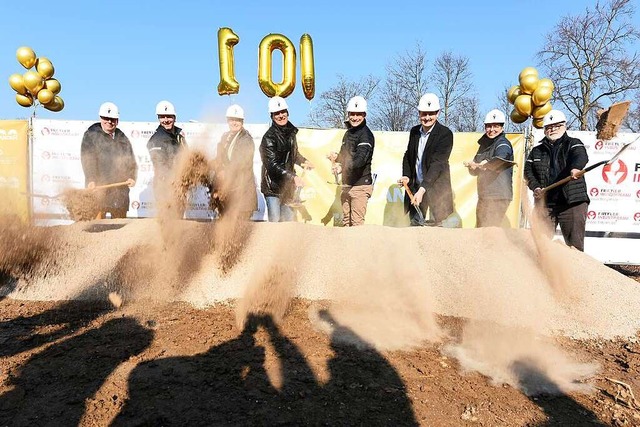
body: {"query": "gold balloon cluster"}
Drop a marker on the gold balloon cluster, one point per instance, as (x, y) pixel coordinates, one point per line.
(36, 85)
(530, 98)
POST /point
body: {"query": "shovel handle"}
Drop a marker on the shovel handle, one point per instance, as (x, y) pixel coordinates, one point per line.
(406, 188)
(115, 184)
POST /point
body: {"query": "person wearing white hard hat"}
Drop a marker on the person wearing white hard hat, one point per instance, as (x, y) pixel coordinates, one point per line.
(235, 187)
(354, 162)
(107, 158)
(164, 146)
(558, 156)
(493, 166)
(279, 153)
(425, 166)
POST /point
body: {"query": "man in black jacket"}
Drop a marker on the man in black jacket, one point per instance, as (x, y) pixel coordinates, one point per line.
(164, 146)
(556, 157)
(425, 165)
(354, 162)
(107, 158)
(279, 152)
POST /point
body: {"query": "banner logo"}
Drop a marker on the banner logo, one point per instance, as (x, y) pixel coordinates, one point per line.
(615, 173)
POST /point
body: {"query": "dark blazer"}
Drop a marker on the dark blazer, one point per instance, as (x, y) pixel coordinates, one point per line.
(435, 170)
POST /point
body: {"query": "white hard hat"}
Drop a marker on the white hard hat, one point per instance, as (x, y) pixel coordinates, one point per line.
(357, 104)
(165, 108)
(553, 117)
(429, 102)
(235, 112)
(109, 110)
(276, 104)
(494, 116)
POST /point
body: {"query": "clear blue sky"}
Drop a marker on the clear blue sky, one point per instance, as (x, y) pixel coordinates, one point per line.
(136, 53)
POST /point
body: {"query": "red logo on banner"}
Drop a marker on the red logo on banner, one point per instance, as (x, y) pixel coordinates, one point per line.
(599, 145)
(594, 192)
(46, 155)
(638, 194)
(46, 178)
(45, 131)
(45, 201)
(135, 204)
(614, 173)
(591, 215)
(636, 216)
(135, 133)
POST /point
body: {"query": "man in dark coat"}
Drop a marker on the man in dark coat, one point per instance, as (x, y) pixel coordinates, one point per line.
(556, 157)
(279, 152)
(354, 162)
(164, 146)
(234, 180)
(107, 158)
(425, 165)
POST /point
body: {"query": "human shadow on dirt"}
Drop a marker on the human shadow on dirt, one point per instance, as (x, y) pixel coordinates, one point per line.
(229, 385)
(54, 387)
(26, 333)
(8, 284)
(560, 408)
(364, 388)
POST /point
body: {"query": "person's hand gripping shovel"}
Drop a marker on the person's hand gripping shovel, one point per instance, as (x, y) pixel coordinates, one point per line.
(421, 219)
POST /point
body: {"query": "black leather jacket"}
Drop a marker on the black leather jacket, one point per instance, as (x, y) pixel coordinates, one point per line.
(279, 153)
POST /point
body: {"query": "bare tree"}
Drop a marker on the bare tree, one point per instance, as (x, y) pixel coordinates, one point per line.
(330, 111)
(452, 79)
(503, 105)
(587, 58)
(467, 116)
(405, 82)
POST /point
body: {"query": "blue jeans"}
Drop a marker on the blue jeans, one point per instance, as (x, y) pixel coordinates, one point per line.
(277, 212)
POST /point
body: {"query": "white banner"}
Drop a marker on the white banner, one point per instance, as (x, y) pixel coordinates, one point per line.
(56, 166)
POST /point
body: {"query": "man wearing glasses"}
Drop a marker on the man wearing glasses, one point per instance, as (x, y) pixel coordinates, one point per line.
(107, 158)
(556, 157)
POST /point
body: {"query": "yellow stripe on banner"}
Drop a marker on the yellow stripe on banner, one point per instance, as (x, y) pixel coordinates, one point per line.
(13, 168)
(322, 198)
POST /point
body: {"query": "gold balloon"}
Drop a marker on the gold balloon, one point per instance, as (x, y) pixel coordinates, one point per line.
(45, 96)
(24, 100)
(17, 83)
(523, 105)
(44, 68)
(537, 123)
(53, 85)
(56, 105)
(528, 83)
(546, 83)
(517, 117)
(539, 112)
(26, 57)
(307, 69)
(528, 71)
(513, 93)
(541, 96)
(33, 82)
(227, 39)
(268, 44)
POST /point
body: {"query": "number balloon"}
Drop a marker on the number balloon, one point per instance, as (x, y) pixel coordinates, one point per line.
(227, 39)
(307, 67)
(268, 44)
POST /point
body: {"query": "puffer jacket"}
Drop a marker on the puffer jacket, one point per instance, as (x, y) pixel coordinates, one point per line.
(492, 185)
(164, 147)
(107, 161)
(567, 153)
(355, 154)
(279, 153)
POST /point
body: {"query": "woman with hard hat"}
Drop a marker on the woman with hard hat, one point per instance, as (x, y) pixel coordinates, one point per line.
(235, 187)
(493, 166)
